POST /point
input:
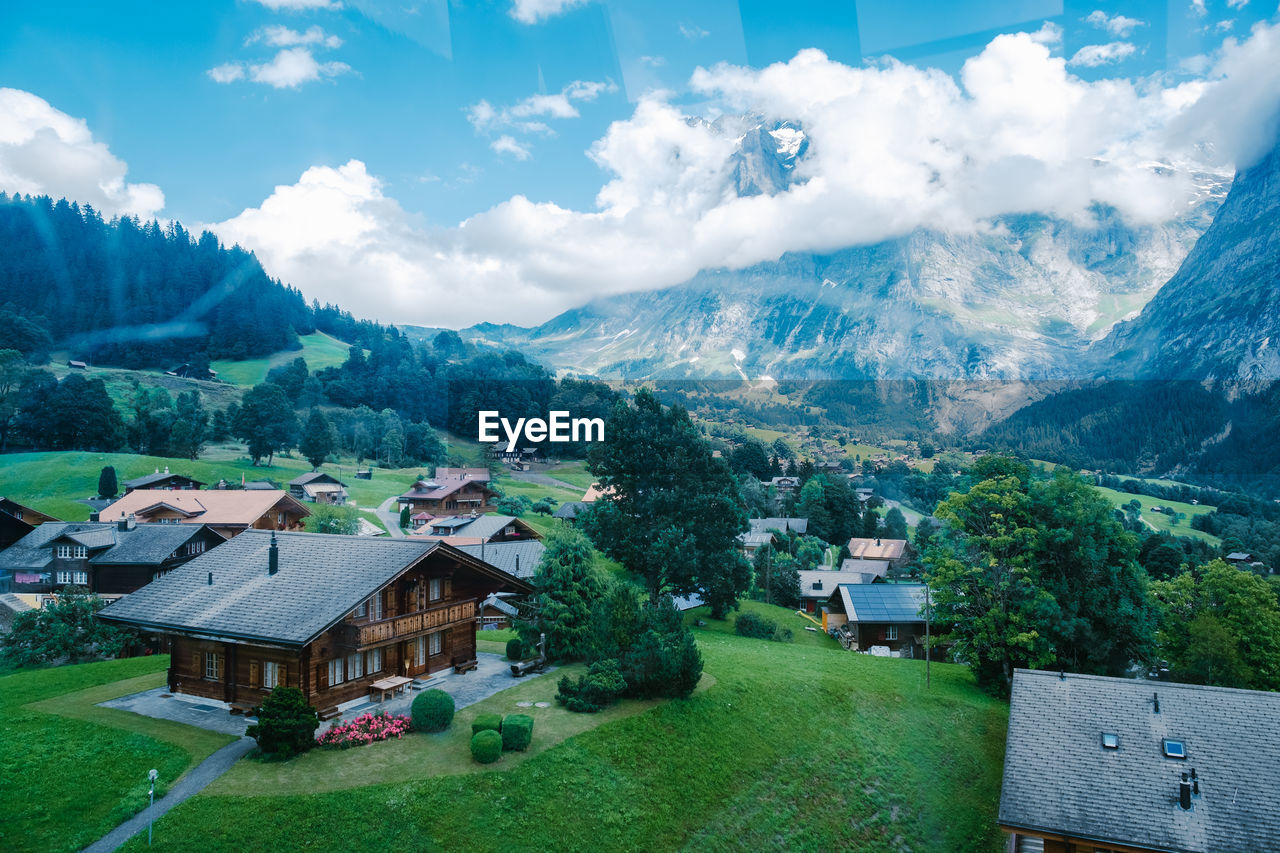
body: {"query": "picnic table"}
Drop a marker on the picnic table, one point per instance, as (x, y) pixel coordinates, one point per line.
(395, 684)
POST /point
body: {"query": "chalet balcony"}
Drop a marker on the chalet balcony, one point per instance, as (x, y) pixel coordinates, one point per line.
(361, 634)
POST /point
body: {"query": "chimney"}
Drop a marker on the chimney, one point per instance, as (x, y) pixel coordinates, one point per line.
(877, 541)
(1184, 793)
(166, 469)
(123, 523)
(1155, 701)
(517, 565)
(273, 557)
(131, 522)
(1195, 783)
(93, 516)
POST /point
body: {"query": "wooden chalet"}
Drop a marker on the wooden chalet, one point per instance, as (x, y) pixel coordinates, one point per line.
(319, 487)
(817, 585)
(163, 480)
(1121, 765)
(443, 497)
(229, 511)
(888, 616)
(475, 529)
(895, 551)
(327, 614)
(109, 559)
(34, 517)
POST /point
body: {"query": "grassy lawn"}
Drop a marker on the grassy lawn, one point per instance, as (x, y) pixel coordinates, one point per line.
(793, 747)
(1161, 522)
(71, 771)
(782, 616)
(319, 350)
(573, 472)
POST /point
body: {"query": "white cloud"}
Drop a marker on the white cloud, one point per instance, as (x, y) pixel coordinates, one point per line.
(1198, 8)
(299, 5)
(1117, 25)
(280, 36)
(1237, 4)
(45, 151)
(892, 148)
(533, 11)
(292, 67)
(692, 32)
(1093, 55)
(506, 144)
(1225, 26)
(228, 72)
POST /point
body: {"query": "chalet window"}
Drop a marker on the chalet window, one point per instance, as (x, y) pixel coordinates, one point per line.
(196, 547)
(419, 651)
(375, 607)
(81, 578)
(437, 589)
(270, 674)
(71, 552)
(435, 642)
(373, 660)
(211, 665)
(361, 611)
(282, 520)
(891, 633)
(167, 520)
(335, 672)
(355, 665)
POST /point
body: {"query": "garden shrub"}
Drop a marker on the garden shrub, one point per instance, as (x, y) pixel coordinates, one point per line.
(286, 723)
(365, 729)
(486, 746)
(754, 625)
(517, 732)
(515, 649)
(432, 711)
(486, 722)
(600, 687)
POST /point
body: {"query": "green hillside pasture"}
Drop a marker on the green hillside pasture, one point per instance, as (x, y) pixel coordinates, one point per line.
(119, 385)
(319, 350)
(782, 616)
(70, 771)
(1161, 522)
(791, 748)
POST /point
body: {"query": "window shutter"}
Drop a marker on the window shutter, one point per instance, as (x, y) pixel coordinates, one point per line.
(284, 675)
(448, 587)
(196, 669)
(253, 674)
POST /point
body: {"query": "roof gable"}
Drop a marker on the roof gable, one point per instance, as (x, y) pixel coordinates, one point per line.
(209, 506)
(882, 602)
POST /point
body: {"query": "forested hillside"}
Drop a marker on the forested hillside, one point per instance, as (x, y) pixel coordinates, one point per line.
(133, 294)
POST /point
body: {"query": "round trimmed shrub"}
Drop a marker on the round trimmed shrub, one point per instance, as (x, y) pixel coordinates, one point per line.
(486, 746)
(432, 711)
(515, 649)
(486, 722)
(517, 732)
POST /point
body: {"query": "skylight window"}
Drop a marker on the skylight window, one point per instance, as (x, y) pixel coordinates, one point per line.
(1175, 749)
(1110, 740)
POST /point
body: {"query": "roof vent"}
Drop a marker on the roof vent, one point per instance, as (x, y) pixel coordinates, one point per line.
(210, 578)
(1184, 793)
(273, 556)
(1155, 701)
(817, 584)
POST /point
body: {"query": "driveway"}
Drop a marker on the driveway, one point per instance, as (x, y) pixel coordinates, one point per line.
(390, 518)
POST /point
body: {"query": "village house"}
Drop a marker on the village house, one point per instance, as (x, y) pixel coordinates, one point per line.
(319, 487)
(438, 498)
(446, 473)
(330, 615)
(476, 529)
(870, 616)
(1119, 764)
(109, 559)
(877, 549)
(31, 516)
(162, 480)
(761, 532)
(569, 511)
(783, 485)
(228, 512)
(595, 492)
(817, 585)
(518, 558)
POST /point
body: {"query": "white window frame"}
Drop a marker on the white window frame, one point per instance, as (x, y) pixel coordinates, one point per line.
(891, 632)
(72, 552)
(361, 611)
(435, 642)
(270, 674)
(435, 589)
(335, 672)
(375, 606)
(355, 666)
(420, 651)
(212, 666)
(373, 661)
(195, 547)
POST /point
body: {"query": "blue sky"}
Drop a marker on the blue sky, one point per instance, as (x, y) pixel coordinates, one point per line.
(455, 108)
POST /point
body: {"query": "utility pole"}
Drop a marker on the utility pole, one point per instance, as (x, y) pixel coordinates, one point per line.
(927, 656)
(151, 807)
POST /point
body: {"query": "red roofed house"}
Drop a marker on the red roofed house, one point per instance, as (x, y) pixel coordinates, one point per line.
(228, 512)
(442, 497)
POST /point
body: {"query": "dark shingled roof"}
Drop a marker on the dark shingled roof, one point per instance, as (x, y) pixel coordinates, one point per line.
(504, 555)
(145, 544)
(569, 510)
(785, 525)
(157, 477)
(304, 479)
(321, 579)
(1059, 779)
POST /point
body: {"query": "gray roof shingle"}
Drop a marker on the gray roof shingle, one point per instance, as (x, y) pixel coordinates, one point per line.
(321, 578)
(785, 525)
(142, 545)
(519, 559)
(1058, 778)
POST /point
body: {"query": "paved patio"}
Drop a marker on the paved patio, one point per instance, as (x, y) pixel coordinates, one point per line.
(491, 676)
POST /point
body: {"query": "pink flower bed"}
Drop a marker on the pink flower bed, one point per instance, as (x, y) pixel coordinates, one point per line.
(364, 729)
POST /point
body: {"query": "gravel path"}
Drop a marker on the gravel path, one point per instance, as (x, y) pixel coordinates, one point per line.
(190, 785)
(390, 518)
(544, 480)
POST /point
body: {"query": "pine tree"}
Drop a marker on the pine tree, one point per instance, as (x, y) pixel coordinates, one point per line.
(107, 485)
(568, 590)
(317, 439)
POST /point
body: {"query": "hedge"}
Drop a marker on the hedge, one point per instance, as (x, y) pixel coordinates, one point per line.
(517, 732)
(486, 722)
(432, 711)
(486, 746)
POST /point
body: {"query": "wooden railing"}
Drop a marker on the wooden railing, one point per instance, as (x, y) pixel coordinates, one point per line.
(398, 627)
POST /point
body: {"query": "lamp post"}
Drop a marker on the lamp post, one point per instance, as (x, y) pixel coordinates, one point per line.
(151, 807)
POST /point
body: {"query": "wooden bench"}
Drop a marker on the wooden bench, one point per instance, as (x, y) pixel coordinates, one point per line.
(461, 665)
(245, 708)
(393, 684)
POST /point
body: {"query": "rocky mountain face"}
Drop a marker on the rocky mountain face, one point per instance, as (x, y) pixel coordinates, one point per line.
(1218, 317)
